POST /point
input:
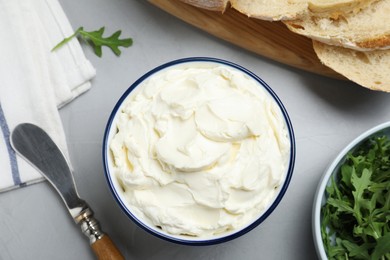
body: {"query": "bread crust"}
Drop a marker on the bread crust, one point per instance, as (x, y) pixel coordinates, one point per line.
(381, 43)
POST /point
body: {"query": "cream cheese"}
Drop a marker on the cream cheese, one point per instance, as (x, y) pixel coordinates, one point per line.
(200, 150)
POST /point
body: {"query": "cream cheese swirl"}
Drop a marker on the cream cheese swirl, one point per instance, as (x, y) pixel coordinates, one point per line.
(200, 150)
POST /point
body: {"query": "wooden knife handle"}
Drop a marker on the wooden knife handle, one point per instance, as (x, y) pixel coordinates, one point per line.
(105, 249)
(100, 242)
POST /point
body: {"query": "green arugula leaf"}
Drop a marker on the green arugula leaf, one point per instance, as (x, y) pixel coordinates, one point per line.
(341, 205)
(360, 252)
(382, 248)
(338, 250)
(360, 185)
(346, 173)
(96, 40)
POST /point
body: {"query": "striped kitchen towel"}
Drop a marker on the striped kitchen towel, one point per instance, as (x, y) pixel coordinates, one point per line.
(35, 82)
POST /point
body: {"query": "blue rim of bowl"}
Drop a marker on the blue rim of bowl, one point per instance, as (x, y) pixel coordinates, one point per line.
(207, 241)
(324, 182)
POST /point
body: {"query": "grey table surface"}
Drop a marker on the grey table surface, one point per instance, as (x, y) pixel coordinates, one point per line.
(326, 114)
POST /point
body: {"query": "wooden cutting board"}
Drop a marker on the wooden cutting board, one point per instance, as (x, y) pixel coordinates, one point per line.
(269, 39)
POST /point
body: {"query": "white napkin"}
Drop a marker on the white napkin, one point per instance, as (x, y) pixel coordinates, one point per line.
(34, 81)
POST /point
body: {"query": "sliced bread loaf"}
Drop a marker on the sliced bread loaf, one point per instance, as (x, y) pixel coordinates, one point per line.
(370, 69)
(365, 29)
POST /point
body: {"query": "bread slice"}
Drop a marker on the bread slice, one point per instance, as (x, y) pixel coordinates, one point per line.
(292, 9)
(271, 10)
(363, 30)
(335, 8)
(213, 5)
(275, 10)
(370, 69)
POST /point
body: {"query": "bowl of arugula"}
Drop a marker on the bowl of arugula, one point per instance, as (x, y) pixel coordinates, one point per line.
(351, 213)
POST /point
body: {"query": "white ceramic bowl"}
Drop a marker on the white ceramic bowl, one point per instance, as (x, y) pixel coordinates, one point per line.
(320, 197)
(117, 191)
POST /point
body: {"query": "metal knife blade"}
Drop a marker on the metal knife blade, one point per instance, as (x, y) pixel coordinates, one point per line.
(35, 145)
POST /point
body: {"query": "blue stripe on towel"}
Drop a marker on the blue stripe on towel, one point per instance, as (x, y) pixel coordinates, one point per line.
(11, 152)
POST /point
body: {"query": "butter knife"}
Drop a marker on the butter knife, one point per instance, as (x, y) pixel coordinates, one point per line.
(35, 145)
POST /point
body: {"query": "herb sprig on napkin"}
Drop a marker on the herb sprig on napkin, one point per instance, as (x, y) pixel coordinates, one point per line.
(356, 216)
(96, 40)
